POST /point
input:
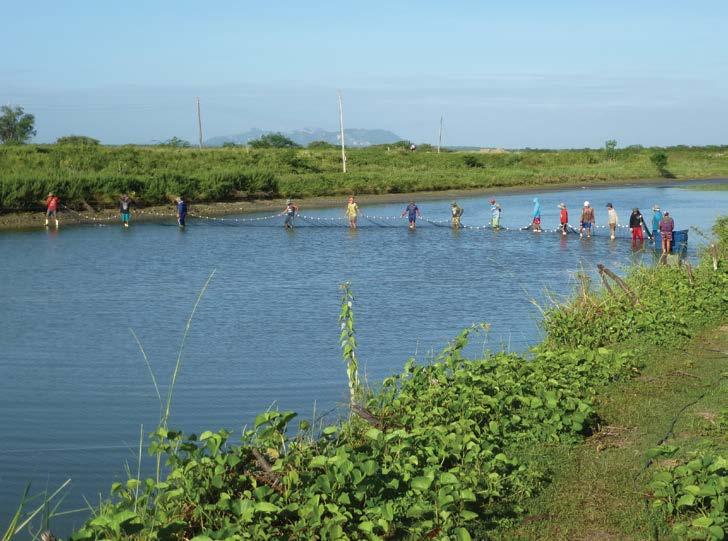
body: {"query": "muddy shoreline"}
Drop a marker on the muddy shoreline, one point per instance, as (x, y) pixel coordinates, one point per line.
(18, 221)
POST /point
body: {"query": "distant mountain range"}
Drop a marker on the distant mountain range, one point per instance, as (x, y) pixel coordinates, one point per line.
(354, 137)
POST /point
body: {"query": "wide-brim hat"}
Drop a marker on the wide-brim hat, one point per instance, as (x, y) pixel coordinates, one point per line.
(656, 207)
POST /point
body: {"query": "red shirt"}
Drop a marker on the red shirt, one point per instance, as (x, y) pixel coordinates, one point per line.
(564, 216)
(52, 202)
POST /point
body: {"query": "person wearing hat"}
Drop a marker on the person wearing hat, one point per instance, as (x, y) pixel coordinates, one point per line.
(412, 211)
(181, 210)
(536, 222)
(587, 220)
(656, 217)
(352, 211)
(612, 220)
(563, 218)
(667, 225)
(636, 222)
(456, 212)
(290, 213)
(495, 214)
(52, 202)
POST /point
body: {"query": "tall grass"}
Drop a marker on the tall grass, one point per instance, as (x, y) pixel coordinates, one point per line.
(97, 175)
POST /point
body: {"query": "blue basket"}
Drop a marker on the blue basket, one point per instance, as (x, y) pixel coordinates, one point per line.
(680, 241)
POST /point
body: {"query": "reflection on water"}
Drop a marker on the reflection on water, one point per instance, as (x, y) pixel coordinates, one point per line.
(74, 388)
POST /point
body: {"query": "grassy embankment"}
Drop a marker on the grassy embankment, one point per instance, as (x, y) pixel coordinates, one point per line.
(96, 175)
(462, 449)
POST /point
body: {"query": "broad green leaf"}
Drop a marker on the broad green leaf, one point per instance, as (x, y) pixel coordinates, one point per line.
(702, 522)
(373, 434)
(266, 507)
(448, 478)
(421, 483)
(366, 526)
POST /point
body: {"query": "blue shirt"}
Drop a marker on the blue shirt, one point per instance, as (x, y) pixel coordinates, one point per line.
(536, 208)
(656, 220)
(412, 211)
(182, 208)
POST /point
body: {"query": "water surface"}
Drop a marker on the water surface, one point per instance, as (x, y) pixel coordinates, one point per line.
(74, 388)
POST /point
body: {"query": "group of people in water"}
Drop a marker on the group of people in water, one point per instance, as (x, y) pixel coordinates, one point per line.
(662, 223)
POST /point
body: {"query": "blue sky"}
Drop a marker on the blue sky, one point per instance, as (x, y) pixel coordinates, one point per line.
(510, 74)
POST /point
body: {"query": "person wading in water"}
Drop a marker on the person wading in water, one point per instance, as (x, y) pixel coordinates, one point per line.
(181, 211)
(352, 211)
(536, 215)
(667, 225)
(457, 212)
(563, 218)
(612, 220)
(290, 213)
(125, 204)
(412, 211)
(587, 220)
(52, 203)
(636, 223)
(495, 214)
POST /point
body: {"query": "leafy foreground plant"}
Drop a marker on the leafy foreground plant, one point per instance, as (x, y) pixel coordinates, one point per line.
(694, 496)
(438, 452)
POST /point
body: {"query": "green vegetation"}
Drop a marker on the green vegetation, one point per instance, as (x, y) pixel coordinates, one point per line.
(97, 175)
(611, 486)
(175, 142)
(272, 140)
(454, 449)
(16, 126)
(659, 159)
(77, 140)
(610, 149)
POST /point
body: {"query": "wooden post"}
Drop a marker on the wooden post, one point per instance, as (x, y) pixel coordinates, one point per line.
(439, 136)
(621, 283)
(199, 120)
(341, 128)
(605, 283)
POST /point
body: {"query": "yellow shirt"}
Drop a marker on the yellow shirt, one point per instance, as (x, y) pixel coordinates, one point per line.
(352, 209)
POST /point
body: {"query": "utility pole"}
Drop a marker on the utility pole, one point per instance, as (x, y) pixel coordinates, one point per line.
(439, 137)
(341, 128)
(199, 120)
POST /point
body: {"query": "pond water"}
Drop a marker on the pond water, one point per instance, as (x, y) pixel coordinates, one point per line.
(75, 390)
